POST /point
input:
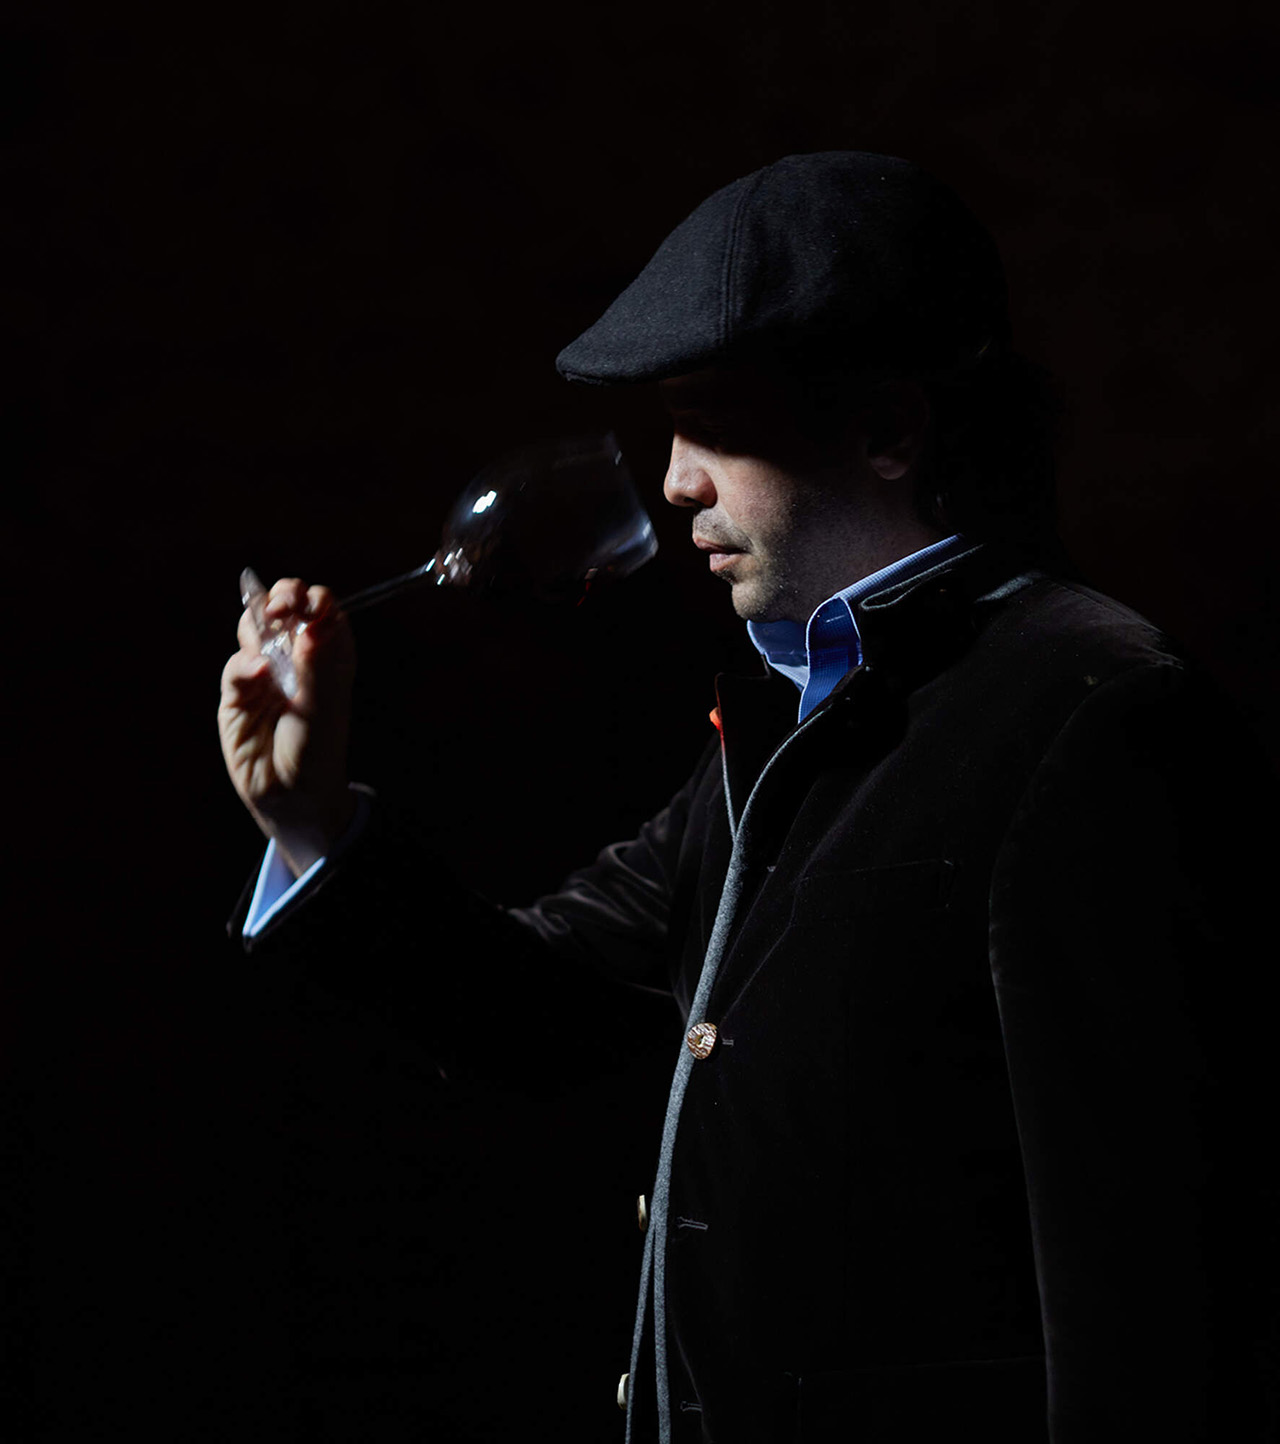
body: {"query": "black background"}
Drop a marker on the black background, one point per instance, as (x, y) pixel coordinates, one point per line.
(276, 282)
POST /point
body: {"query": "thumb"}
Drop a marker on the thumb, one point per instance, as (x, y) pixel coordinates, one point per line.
(324, 654)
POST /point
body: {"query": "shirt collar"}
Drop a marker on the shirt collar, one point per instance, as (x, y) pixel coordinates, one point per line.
(816, 655)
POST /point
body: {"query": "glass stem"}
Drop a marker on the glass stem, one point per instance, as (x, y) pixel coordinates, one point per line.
(380, 591)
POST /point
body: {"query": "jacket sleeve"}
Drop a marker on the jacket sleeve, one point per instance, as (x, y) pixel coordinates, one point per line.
(485, 986)
(1130, 988)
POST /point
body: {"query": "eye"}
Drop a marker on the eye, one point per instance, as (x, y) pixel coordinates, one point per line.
(717, 432)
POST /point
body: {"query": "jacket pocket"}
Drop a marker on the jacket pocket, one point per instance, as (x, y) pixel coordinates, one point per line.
(1000, 1401)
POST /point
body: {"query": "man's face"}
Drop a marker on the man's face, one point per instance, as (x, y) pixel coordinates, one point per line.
(785, 520)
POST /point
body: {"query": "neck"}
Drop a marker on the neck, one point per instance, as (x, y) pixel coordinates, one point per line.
(874, 550)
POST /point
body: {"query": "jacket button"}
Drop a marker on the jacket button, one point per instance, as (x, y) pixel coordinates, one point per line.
(701, 1039)
(642, 1213)
(622, 1391)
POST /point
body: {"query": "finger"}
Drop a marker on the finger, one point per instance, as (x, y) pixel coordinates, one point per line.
(249, 699)
(250, 636)
(287, 598)
(323, 640)
(322, 616)
(320, 602)
(247, 632)
(245, 672)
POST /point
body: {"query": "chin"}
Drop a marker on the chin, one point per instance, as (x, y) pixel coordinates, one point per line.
(746, 604)
(763, 596)
(752, 607)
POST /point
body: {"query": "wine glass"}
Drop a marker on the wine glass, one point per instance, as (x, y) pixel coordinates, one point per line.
(550, 521)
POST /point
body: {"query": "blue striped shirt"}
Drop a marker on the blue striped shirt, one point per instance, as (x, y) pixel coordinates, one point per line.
(816, 655)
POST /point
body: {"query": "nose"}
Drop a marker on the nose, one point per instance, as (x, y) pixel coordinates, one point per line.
(688, 482)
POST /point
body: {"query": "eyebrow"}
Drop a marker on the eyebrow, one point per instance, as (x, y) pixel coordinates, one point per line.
(707, 396)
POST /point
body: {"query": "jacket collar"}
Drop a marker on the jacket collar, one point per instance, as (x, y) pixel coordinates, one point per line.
(939, 608)
(911, 631)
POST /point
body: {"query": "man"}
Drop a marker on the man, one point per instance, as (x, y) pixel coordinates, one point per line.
(960, 1130)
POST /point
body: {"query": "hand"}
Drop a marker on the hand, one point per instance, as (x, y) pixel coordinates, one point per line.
(287, 759)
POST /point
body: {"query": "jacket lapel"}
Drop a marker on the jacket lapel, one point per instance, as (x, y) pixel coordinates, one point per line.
(910, 633)
(756, 713)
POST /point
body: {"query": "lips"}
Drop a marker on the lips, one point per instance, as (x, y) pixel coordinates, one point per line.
(720, 554)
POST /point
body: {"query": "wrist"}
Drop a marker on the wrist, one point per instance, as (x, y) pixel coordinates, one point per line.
(303, 838)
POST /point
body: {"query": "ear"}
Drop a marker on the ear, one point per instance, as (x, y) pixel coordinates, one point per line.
(895, 421)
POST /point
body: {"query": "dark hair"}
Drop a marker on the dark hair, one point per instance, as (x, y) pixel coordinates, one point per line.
(989, 462)
(989, 468)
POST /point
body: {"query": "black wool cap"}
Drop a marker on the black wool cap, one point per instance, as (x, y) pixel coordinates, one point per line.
(842, 259)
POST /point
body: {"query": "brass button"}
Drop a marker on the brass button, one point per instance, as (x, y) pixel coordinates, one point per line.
(642, 1213)
(622, 1391)
(701, 1039)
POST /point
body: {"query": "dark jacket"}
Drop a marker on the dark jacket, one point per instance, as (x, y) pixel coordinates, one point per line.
(981, 1114)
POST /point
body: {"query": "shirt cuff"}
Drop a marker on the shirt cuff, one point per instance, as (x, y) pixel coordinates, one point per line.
(277, 887)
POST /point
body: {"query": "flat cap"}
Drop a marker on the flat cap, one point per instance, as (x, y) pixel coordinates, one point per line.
(842, 258)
